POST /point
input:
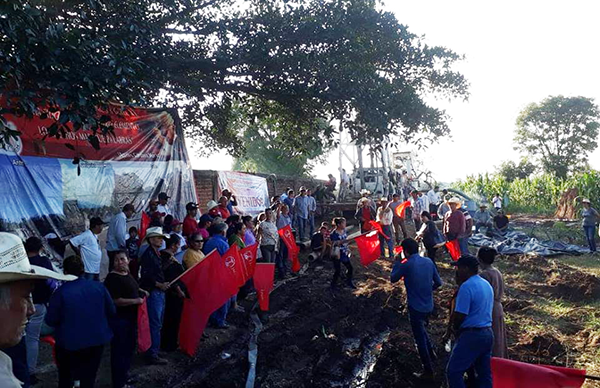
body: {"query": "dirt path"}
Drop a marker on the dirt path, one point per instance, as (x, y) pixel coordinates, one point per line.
(315, 338)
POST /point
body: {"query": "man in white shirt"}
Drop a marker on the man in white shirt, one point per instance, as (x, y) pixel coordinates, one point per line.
(497, 202)
(116, 236)
(312, 208)
(88, 247)
(163, 208)
(425, 201)
(434, 200)
(384, 218)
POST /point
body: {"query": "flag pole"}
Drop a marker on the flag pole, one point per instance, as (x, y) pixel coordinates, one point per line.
(189, 269)
(592, 377)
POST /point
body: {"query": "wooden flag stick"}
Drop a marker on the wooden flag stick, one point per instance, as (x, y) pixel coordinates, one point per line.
(189, 269)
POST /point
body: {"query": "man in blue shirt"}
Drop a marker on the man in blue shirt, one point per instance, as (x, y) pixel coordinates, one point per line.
(116, 237)
(219, 242)
(420, 279)
(301, 210)
(472, 325)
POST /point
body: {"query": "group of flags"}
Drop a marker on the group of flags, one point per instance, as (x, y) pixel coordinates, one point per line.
(212, 282)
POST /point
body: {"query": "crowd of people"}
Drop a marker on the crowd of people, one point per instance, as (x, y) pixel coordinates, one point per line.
(85, 315)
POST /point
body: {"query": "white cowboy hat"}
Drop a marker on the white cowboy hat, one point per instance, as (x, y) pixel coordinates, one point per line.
(364, 191)
(211, 204)
(155, 231)
(14, 263)
(585, 200)
(454, 200)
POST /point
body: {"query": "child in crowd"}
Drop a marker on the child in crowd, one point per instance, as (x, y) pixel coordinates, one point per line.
(320, 243)
(133, 246)
(340, 253)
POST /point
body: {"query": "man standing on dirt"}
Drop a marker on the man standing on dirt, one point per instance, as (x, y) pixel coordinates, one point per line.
(417, 209)
(398, 222)
(472, 325)
(420, 279)
(384, 218)
(454, 220)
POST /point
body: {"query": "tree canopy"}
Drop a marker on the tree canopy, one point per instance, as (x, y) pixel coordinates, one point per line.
(511, 170)
(559, 133)
(301, 60)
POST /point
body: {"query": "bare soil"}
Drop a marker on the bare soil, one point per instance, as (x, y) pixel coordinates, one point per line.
(313, 337)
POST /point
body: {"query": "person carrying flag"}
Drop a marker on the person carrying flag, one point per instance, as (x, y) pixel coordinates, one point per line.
(421, 278)
(339, 239)
(398, 221)
(384, 218)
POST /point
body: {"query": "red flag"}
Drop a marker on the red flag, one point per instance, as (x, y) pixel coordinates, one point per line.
(290, 242)
(401, 209)
(264, 275)
(144, 223)
(234, 263)
(248, 256)
(453, 249)
(210, 285)
(397, 250)
(144, 340)
(515, 374)
(368, 247)
(376, 226)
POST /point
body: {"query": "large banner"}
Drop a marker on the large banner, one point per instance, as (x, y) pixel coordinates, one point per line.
(53, 185)
(251, 191)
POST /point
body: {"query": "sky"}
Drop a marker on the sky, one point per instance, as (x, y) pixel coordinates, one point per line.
(516, 53)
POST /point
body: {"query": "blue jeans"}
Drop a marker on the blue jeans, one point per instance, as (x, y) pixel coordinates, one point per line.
(301, 227)
(156, 312)
(418, 321)
(590, 235)
(387, 230)
(219, 317)
(311, 224)
(463, 243)
(473, 348)
(122, 349)
(281, 260)
(32, 336)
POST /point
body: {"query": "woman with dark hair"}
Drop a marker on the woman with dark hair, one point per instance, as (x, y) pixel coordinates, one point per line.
(127, 296)
(249, 237)
(168, 224)
(203, 224)
(237, 231)
(79, 312)
(174, 296)
(429, 234)
(486, 256)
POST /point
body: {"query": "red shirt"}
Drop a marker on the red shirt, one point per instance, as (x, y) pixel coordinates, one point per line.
(454, 225)
(223, 212)
(190, 225)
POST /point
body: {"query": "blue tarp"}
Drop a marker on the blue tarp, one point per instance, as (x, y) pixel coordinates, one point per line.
(515, 243)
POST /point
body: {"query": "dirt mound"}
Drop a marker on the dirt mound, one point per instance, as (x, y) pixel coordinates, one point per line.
(540, 345)
(573, 285)
(512, 305)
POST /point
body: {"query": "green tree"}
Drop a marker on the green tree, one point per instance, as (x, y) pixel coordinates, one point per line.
(270, 142)
(315, 59)
(511, 170)
(559, 133)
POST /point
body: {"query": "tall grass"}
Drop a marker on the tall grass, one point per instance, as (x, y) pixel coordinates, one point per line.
(535, 195)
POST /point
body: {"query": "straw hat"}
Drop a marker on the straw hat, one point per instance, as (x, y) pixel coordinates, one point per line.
(455, 200)
(364, 192)
(211, 204)
(14, 263)
(585, 200)
(155, 231)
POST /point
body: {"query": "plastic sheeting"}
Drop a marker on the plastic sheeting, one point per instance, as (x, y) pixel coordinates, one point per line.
(515, 243)
(54, 185)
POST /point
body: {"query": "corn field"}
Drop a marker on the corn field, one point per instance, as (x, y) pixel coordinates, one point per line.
(535, 195)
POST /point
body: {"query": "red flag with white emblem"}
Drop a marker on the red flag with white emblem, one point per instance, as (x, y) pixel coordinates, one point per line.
(290, 242)
(210, 284)
(248, 261)
(233, 262)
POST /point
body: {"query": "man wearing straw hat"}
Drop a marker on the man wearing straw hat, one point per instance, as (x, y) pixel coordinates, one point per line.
(152, 280)
(454, 220)
(17, 279)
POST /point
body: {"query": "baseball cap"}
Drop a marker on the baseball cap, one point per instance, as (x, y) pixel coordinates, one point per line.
(163, 195)
(191, 206)
(94, 221)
